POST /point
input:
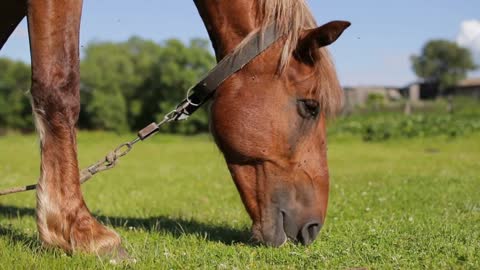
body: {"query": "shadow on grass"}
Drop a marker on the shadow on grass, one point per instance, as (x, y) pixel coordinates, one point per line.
(163, 224)
(17, 237)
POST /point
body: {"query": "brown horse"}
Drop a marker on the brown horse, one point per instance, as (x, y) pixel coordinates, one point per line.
(268, 119)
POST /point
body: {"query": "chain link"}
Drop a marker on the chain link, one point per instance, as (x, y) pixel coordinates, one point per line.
(108, 162)
(188, 98)
(112, 158)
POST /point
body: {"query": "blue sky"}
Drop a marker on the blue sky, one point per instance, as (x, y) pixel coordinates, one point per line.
(374, 51)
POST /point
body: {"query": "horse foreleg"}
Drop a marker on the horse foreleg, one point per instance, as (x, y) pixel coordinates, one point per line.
(63, 219)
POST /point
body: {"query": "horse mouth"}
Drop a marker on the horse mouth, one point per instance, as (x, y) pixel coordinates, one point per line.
(286, 229)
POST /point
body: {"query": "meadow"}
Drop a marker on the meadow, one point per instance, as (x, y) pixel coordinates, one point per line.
(394, 204)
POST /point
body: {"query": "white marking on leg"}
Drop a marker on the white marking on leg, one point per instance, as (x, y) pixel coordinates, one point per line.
(44, 203)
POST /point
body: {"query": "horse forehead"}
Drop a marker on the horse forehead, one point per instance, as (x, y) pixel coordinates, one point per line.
(297, 74)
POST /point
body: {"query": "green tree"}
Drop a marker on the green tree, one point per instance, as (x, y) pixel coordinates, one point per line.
(128, 85)
(443, 62)
(15, 108)
(178, 67)
(111, 74)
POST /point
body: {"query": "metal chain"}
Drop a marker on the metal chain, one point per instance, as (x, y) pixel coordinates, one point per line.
(112, 158)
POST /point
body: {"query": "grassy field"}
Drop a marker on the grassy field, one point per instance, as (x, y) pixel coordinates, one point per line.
(405, 204)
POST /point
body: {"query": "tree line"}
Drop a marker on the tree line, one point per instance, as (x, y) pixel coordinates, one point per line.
(124, 86)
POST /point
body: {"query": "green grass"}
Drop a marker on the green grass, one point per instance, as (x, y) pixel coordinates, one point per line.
(397, 204)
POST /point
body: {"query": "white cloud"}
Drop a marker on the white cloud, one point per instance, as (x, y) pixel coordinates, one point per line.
(469, 36)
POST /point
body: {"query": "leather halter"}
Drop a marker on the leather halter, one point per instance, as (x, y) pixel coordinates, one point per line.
(230, 64)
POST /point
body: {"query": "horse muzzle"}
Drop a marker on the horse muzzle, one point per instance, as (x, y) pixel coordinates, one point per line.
(286, 226)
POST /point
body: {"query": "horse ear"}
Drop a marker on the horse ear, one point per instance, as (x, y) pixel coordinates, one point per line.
(321, 36)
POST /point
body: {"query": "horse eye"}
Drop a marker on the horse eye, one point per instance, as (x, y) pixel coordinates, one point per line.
(308, 108)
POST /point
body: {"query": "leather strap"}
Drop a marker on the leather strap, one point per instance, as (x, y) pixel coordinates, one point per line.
(205, 88)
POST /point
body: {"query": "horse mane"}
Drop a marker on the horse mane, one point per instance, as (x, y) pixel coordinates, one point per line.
(291, 18)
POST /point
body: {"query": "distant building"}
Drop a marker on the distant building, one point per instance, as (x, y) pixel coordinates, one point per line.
(415, 92)
(468, 87)
(421, 90)
(359, 95)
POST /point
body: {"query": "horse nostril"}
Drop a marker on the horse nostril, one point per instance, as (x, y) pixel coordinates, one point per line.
(309, 232)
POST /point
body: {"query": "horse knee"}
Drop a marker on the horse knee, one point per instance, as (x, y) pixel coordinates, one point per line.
(55, 95)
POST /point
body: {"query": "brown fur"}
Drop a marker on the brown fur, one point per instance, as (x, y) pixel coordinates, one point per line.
(277, 159)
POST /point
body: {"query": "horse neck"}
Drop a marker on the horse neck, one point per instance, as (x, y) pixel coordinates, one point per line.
(227, 22)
